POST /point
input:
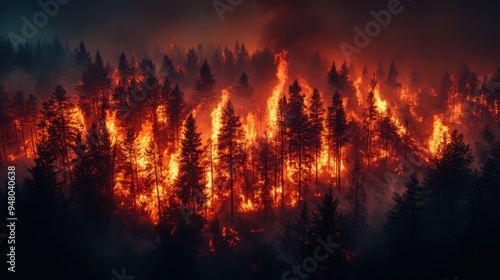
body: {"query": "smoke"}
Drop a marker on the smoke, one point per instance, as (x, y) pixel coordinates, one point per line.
(426, 33)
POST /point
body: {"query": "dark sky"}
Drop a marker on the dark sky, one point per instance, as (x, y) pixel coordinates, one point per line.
(428, 33)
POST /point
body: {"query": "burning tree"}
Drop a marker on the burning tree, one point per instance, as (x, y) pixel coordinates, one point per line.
(230, 148)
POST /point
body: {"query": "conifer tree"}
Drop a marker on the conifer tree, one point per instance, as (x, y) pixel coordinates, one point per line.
(230, 147)
(190, 181)
(205, 85)
(316, 114)
(298, 128)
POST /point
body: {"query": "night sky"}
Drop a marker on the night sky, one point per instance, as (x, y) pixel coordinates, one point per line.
(436, 33)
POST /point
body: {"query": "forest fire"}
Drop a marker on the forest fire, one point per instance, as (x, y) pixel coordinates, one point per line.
(208, 160)
(439, 134)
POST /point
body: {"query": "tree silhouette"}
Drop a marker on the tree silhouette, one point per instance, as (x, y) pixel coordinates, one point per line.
(205, 85)
(190, 181)
(175, 115)
(265, 165)
(243, 88)
(403, 218)
(94, 82)
(338, 126)
(81, 56)
(316, 114)
(230, 147)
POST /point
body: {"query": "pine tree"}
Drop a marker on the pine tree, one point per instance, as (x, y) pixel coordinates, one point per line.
(190, 181)
(333, 76)
(95, 80)
(230, 147)
(338, 126)
(45, 211)
(81, 56)
(316, 114)
(388, 133)
(392, 78)
(298, 127)
(403, 217)
(61, 126)
(191, 65)
(89, 198)
(329, 225)
(175, 115)
(205, 85)
(243, 88)
(168, 69)
(242, 59)
(44, 190)
(346, 85)
(124, 70)
(371, 115)
(447, 180)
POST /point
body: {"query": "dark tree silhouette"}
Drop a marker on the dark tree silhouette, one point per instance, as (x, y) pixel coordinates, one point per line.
(230, 147)
(392, 78)
(447, 180)
(205, 85)
(403, 218)
(316, 114)
(190, 181)
(265, 165)
(333, 76)
(243, 88)
(81, 56)
(298, 128)
(94, 82)
(175, 114)
(191, 65)
(371, 115)
(61, 126)
(329, 225)
(338, 126)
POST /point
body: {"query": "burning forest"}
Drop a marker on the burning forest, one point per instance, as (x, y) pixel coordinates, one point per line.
(222, 161)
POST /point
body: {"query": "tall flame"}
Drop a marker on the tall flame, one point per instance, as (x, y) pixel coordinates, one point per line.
(272, 102)
(439, 131)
